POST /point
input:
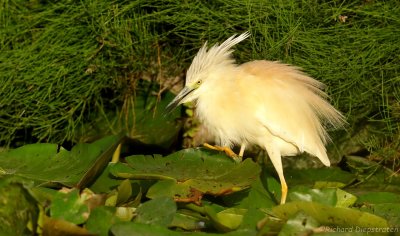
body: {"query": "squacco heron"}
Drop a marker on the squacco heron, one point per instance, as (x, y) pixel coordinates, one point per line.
(273, 105)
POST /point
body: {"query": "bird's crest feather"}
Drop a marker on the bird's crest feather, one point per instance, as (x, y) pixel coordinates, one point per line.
(217, 55)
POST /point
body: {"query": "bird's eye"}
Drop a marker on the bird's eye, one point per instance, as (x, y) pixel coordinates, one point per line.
(198, 82)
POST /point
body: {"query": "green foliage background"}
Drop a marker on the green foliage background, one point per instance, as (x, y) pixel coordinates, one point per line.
(65, 63)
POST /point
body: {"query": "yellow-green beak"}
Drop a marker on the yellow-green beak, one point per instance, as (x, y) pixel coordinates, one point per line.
(178, 99)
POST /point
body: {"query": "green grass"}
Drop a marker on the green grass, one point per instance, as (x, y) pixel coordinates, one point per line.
(63, 63)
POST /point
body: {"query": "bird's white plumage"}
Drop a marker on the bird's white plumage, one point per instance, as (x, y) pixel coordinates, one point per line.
(217, 56)
(270, 104)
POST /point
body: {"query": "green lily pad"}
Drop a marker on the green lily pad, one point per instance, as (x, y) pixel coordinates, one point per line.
(187, 222)
(262, 194)
(328, 196)
(251, 218)
(172, 188)
(42, 195)
(384, 204)
(62, 227)
(344, 199)
(101, 219)
(378, 197)
(190, 173)
(325, 196)
(299, 224)
(312, 176)
(158, 211)
(231, 218)
(69, 207)
(134, 229)
(389, 211)
(17, 208)
(105, 182)
(328, 215)
(327, 184)
(48, 163)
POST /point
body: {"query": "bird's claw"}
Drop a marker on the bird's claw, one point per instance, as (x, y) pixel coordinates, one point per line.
(227, 151)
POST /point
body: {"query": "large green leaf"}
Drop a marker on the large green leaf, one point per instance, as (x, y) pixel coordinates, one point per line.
(327, 196)
(317, 176)
(231, 218)
(134, 229)
(389, 211)
(17, 208)
(186, 221)
(101, 219)
(251, 218)
(299, 224)
(70, 207)
(189, 173)
(259, 195)
(328, 215)
(105, 182)
(159, 211)
(384, 204)
(324, 196)
(59, 227)
(378, 197)
(49, 163)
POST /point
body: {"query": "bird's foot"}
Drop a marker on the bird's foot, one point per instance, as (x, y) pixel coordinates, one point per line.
(227, 151)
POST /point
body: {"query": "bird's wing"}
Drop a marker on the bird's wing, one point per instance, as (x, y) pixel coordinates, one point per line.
(291, 105)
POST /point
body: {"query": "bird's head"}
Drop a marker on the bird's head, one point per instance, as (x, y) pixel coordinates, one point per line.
(205, 63)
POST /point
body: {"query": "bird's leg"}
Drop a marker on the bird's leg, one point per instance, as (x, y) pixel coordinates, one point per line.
(227, 151)
(276, 160)
(284, 189)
